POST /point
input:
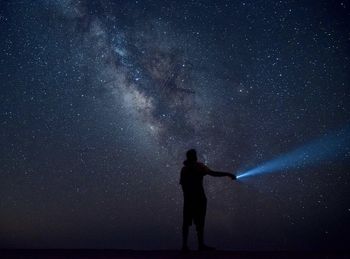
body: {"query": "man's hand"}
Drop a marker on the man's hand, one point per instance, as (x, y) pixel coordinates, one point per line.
(232, 176)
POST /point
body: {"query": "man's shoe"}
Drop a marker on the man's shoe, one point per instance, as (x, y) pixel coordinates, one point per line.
(205, 248)
(185, 249)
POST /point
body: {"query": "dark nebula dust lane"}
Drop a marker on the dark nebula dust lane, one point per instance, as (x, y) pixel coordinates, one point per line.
(101, 99)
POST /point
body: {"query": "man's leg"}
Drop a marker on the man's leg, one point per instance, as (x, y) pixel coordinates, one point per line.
(185, 225)
(185, 229)
(200, 228)
(200, 234)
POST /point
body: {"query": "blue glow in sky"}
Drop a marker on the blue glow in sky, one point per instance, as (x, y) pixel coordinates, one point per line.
(101, 99)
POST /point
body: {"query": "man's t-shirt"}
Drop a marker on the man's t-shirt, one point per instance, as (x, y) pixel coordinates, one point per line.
(191, 180)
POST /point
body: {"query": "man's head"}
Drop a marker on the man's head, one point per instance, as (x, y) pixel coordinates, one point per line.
(191, 155)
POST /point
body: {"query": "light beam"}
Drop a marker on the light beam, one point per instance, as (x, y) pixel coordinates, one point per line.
(327, 148)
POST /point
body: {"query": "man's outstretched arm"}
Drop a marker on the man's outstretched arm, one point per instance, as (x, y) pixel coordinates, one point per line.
(221, 174)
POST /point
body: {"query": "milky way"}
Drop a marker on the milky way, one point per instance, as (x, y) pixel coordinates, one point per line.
(101, 99)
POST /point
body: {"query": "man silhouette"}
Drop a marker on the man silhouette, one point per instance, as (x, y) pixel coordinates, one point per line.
(195, 201)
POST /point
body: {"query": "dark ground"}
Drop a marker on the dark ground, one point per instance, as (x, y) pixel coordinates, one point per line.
(168, 254)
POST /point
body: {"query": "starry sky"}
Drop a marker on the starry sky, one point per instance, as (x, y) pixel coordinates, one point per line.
(101, 99)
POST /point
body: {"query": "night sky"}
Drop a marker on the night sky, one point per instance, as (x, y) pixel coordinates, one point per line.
(101, 99)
